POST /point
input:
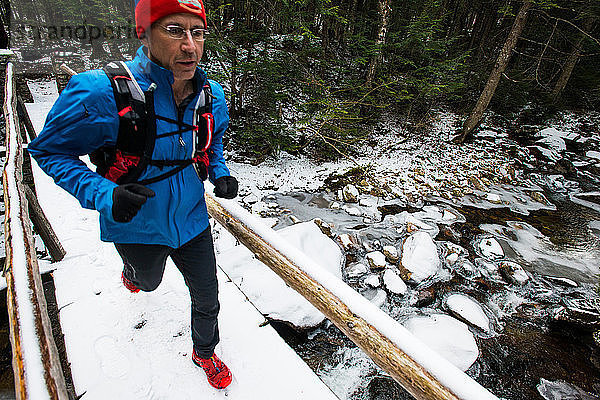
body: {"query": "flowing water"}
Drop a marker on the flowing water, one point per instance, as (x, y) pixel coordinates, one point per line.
(527, 343)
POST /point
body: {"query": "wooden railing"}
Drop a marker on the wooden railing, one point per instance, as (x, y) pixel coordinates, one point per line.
(36, 364)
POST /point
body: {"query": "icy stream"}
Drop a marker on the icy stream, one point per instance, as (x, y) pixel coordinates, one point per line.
(511, 273)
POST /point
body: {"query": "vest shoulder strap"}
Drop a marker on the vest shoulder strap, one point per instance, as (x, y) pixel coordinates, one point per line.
(131, 106)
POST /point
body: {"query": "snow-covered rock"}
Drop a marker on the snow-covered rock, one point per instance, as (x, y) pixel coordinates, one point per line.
(356, 270)
(446, 335)
(391, 254)
(348, 242)
(354, 211)
(250, 199)
(513, 272)
(420, 256)
(325, 227)
(555, 143)
(493, 198)
(562, 281)
(350, 194)
(393, 282)
(593, 154)
(376, 260)
(452, 258)
(468, 310)
(490, 248)
(267, 291)
(372, 280)
(550, 154)
(561, 390)
(449, 216)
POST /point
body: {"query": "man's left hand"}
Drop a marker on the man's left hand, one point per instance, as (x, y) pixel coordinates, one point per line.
(226, 187)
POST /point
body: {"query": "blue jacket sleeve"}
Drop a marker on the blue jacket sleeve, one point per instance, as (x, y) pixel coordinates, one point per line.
(83, 118)
(217, 167)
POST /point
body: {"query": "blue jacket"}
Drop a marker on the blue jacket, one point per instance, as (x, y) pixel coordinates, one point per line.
(85, 118)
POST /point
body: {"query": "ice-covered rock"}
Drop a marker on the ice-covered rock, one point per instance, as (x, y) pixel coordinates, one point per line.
(555, 143)
(376, 260)
(549, 154)
(250, 199)
(561, 390)
(393, 282)
(467, 269)
(350, 194)
(391, 254)
(446, 335)
(356, 270)
(375, 296)
(452, 258)
(420, 256)
(513, 272)
(562, 281)
(413, 224)
(584, 312)
(593, 154)
(354, 211)
(493, 198)
(454, 248)
(437, 215)
(468, 310)
(490, 248)
(372, 280)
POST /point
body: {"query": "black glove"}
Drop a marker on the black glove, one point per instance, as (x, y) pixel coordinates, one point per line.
(226, 187)
(128, 199)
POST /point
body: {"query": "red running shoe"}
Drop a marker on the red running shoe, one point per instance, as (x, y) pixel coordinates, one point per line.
(219, 376)
(128, 284)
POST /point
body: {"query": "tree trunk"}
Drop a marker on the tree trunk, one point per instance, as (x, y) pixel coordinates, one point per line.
(385, 10)
(488, 92)
(561, 83)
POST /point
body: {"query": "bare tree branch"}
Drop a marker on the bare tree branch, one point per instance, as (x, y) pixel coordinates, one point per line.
(573, 25)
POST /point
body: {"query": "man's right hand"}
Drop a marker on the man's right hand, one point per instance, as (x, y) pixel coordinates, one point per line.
(128, 199)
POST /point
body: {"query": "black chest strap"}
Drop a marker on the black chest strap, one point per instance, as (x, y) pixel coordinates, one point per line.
(136, 137)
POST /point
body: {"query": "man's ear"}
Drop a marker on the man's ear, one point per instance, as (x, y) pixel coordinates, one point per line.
(144, 39)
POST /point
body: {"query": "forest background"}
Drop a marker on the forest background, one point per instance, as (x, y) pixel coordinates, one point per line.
(320, 76)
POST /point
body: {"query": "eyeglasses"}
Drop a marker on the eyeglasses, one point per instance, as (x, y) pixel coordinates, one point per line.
(177, 32)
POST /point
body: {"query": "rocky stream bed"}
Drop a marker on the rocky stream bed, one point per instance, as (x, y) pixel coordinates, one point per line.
(489, 252)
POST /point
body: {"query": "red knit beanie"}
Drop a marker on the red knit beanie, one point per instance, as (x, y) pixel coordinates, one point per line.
(149, 11)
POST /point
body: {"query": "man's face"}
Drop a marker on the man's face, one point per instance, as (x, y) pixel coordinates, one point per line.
(178, 55)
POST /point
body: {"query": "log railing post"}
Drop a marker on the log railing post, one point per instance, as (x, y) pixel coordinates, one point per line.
(43, 227)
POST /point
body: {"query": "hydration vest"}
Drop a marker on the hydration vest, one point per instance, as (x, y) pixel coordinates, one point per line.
(125, 162)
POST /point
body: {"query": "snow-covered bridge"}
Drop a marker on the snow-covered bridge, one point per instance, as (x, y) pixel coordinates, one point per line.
(136, 346)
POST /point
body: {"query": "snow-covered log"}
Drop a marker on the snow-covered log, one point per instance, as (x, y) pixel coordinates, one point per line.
(36, 365)
(420, 370)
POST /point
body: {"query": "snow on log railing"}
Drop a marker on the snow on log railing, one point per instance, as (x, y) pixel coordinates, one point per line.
(421, 371)
(36, 364)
